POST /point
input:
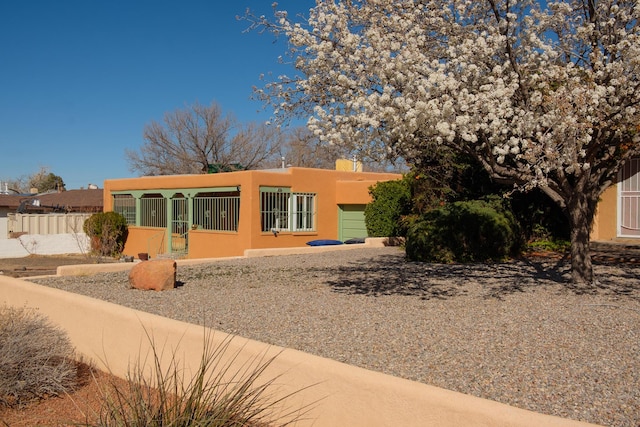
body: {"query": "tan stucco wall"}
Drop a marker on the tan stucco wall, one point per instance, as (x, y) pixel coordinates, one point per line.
(211, 244)
(605, 221)
(354, 192)
(344, 395)
(148, 240)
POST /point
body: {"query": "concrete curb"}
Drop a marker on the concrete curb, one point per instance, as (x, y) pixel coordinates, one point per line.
(88, 269)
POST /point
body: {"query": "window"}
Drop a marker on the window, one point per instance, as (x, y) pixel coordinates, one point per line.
(282, 210)
(217, 211)
(629, 201)
(303, 209)
(125, 205)
(153, 211)
(274, 209)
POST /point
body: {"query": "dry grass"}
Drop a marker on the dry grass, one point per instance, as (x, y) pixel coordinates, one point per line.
(223, 392)
(78, 407)
(36, 358)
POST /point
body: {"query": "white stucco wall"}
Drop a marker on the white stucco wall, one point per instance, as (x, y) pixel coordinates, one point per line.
(41, 244)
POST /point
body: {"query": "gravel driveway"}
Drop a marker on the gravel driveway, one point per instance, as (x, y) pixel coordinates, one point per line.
(514, 332)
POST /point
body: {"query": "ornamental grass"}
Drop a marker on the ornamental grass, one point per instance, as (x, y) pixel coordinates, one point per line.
(223, 392)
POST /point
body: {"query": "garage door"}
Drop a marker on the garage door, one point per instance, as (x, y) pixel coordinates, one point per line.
(351, 222)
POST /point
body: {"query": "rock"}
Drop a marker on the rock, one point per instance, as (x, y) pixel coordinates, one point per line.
(159, 275)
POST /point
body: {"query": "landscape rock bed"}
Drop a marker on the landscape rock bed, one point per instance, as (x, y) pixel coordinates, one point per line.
(514, 332)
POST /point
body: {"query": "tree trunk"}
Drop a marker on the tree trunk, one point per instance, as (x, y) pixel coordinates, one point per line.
(581, 213)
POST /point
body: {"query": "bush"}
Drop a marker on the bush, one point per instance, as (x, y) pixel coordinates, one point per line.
(107, 232)
(541, 219)
(391, 200)
(467, 231)
(552, 245)
(36, 358)
(218, 395)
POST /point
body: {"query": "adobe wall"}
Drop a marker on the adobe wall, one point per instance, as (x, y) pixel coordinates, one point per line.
(332, 188)
(605, 222)
(342, 395)
(297, 177)
(355, 192)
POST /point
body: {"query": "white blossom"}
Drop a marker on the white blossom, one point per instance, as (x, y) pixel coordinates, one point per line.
(539, 91)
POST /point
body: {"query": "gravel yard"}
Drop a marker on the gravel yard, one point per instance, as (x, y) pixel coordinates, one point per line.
(514, 332)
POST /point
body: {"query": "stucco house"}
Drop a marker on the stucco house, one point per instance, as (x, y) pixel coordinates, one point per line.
(223, 214)
(618, 215)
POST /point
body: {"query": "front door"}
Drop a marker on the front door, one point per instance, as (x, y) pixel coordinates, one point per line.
(629, 200)
(179, 224)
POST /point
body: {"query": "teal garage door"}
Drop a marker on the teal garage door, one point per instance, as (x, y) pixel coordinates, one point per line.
(351, 222)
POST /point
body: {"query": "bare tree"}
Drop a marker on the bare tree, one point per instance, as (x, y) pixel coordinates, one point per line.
(18, 185)
(257, 145)
(191, 140)
(43, 180)
(302, 149)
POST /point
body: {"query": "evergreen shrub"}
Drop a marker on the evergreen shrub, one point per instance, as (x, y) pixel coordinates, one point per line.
(464, 231)
(542, 222)
(391, 200)
(107, 232)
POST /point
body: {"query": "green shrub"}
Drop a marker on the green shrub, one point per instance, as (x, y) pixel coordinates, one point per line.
(107, 232)
(36, 358)
(219, 394)
(423, 242)
(540, 218)
(467, 231)
(552, 245)
(391, 200)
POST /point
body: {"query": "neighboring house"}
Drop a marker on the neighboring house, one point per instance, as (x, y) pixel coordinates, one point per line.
(45, 213)
(8, 204)
(216, 215)
(618, 215)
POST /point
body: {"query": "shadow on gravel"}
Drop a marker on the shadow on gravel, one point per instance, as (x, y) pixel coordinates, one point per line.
(621, 281)
(393, 275)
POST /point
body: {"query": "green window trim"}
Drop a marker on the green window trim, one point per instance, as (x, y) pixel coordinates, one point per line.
(216, 213)
(125, 205)
(147, 215)
(284, 210)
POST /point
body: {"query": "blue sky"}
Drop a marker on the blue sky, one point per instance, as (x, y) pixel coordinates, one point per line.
(79, 79)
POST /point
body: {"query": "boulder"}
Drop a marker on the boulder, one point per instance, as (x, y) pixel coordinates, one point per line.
(159, 275)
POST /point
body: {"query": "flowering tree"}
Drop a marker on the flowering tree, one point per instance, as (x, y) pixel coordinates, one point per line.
(542, 94)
